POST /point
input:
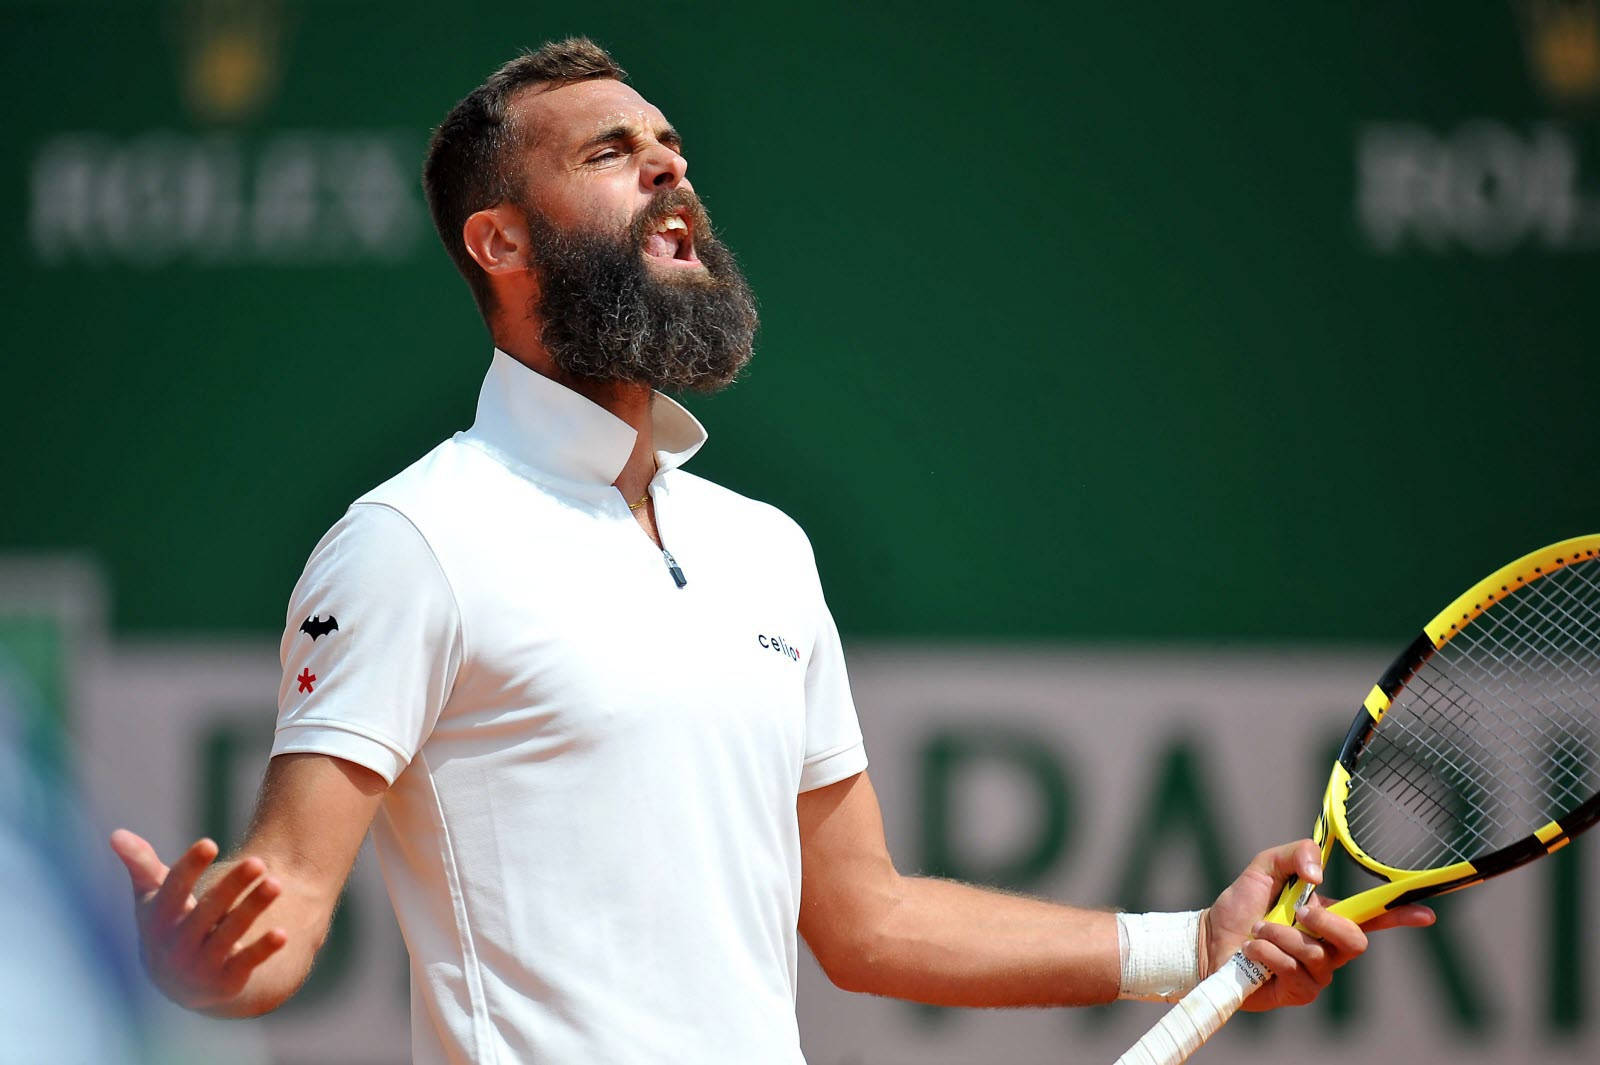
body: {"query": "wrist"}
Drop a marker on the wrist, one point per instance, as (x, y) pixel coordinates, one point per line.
(1160, 954)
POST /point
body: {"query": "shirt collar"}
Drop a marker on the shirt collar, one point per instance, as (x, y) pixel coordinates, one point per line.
(553, 430)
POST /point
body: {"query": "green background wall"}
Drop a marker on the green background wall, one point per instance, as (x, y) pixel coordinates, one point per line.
(1073, 324)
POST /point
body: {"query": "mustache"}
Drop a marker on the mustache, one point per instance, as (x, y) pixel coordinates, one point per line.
(664, 205)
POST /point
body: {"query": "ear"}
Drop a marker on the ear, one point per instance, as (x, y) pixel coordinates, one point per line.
(497, 238)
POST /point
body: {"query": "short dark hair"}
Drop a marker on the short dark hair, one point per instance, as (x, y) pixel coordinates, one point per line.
(469, 163)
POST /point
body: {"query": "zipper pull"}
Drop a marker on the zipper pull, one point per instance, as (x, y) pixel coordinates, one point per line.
(674, 569)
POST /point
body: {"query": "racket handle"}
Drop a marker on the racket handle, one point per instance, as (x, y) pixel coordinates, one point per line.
(1198, 1015)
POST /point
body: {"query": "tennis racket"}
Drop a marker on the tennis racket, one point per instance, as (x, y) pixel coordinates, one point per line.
(1475, 753)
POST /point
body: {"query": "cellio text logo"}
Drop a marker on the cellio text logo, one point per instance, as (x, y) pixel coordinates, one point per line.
(780, 645)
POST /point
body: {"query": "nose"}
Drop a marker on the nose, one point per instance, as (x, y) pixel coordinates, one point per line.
(663, 168)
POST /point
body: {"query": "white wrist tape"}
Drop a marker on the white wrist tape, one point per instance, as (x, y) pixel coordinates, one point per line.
(1160, 954)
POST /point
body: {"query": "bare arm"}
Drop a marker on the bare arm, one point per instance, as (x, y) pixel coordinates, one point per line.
(237, 938)
(951, 944)
(934, 941)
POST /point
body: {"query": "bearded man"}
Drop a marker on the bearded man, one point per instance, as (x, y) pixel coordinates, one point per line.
(594, 707)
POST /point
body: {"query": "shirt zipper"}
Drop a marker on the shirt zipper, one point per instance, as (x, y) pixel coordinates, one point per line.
(672, 564)
(674, 569)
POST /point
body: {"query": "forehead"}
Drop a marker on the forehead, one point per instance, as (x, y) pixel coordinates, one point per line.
(569, 115)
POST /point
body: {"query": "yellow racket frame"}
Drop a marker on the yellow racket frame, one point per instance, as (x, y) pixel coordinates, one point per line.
(1411, 885)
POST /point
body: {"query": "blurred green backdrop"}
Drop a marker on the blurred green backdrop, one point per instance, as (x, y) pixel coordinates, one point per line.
(1091, 323)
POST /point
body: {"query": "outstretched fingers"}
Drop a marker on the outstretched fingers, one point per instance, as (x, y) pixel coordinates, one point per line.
(145, 868)
(214, 905)
(219, 944)
(200, 948)
(237, 969)
(176, 895)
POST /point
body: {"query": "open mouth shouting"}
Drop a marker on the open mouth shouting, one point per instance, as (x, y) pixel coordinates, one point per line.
(671, 242)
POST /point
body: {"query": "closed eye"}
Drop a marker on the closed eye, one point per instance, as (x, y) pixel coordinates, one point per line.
(618, 141)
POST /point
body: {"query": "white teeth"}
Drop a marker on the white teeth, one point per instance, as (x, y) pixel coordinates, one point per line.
(675, 222)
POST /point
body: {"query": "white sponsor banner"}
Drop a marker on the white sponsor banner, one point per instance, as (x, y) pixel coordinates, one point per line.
(173, 742)
(1105, 777)
(1131, 778)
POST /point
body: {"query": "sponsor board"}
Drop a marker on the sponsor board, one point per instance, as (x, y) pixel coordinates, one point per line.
(1145, 779)
(1142, 778)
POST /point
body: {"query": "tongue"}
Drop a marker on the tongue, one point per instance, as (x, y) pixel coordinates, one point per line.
(658, 245)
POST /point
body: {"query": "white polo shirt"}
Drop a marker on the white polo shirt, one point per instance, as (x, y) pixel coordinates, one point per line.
(590, 835)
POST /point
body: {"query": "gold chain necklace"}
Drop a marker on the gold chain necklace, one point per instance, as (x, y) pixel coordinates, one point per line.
(655, 469)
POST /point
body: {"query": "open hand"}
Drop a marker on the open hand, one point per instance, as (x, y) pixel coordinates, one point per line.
(191, 946)
(1302, 963)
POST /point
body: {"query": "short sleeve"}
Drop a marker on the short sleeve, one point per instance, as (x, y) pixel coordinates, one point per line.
(834, 749)
(371, 645)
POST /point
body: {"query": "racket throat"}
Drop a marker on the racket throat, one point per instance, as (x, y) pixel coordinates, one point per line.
(1296, 893)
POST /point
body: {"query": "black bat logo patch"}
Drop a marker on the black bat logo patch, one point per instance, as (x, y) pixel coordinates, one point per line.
(315, 626)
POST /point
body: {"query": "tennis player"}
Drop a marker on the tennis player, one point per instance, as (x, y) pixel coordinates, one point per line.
(593, 707)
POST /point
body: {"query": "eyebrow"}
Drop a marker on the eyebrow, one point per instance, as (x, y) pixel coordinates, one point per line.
(625, 132)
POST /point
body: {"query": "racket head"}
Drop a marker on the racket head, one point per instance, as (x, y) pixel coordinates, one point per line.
(1476, 751)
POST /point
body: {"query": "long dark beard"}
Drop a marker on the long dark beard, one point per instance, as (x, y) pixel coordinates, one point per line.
(608, 316)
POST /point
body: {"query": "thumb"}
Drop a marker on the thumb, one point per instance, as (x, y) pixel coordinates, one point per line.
(145, 867)
(1301, 858)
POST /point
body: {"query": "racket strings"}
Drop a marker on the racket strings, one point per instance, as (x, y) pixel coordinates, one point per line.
(1508, 700)
(1550, 620)
(1493, 736)
(1447, 749)
(1537, 647)
(1432, 803)
(1554, 734)
(1449, 796)
(1554, 729)
(1457, 690)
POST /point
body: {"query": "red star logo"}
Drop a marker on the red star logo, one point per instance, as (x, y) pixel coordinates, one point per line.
(306, 678)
